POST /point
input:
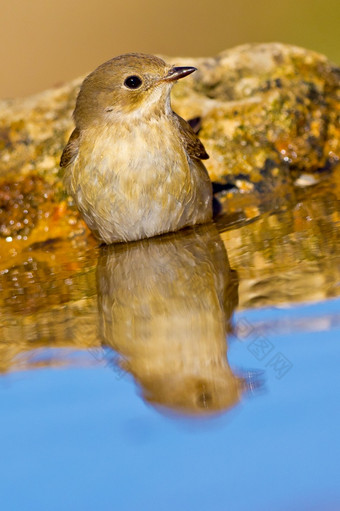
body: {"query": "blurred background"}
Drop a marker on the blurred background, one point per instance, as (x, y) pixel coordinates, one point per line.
(46, 42)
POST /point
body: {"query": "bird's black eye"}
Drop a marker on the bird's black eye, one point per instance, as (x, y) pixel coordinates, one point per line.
(133, 82)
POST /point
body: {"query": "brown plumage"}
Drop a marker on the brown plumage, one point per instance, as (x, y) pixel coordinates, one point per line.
(132, 165)
(191, 142)
(71, 150)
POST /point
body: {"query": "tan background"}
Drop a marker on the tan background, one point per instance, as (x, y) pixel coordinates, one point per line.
(45, 42)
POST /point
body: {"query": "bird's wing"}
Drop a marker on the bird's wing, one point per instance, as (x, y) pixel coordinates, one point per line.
(71, 150)
(192, 143)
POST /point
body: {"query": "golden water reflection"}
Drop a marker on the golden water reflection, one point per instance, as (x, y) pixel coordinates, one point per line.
(290, 252)
(163, 306)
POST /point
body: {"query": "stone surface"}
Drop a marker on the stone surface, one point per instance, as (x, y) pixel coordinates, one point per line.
(264, 107)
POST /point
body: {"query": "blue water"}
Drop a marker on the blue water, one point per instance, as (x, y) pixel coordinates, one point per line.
(84, 438)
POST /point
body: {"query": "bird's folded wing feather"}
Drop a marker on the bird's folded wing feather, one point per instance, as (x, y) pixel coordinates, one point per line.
(192, 143)
(71, 150)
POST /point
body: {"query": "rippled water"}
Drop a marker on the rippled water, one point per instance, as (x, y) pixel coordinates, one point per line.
(198, 370)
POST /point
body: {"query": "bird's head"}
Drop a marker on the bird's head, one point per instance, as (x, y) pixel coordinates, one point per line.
(134, 84)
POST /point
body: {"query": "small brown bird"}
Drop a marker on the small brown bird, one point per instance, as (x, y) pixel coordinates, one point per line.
(132, 165)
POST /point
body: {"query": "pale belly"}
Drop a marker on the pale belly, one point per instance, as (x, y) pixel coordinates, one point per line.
(134, 187)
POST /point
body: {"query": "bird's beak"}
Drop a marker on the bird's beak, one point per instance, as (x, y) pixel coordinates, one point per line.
(176, 73)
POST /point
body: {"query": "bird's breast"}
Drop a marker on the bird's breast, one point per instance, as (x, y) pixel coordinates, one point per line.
(134, 159)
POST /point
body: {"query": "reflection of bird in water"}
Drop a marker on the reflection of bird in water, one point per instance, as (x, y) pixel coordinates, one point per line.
(164, 306)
